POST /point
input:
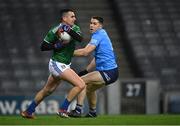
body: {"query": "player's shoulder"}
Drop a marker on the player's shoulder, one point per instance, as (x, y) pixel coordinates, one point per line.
(75, 27)
(101, 33)
(54, 28)
(96, 35)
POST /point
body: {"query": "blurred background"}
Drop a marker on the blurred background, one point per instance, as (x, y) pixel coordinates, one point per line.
(145, 36)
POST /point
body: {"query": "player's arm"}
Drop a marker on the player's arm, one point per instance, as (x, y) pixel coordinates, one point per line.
(89, 68)
(75, 35)
(45, 46)
(51, 42)
(85, 51)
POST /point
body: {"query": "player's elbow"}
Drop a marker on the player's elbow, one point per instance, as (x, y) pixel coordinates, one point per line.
(42, 47)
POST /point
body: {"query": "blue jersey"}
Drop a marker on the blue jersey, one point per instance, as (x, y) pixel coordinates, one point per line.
(104, 54)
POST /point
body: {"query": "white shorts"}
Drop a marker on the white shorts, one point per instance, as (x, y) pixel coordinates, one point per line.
(56, 68)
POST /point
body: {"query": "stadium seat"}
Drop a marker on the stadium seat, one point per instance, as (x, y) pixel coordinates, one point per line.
(152, 29)
(23, 27)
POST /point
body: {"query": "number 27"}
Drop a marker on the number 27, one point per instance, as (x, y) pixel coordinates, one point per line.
(133, 90)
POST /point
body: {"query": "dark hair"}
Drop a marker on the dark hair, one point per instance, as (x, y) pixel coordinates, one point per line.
(100, 19)
(64, 11)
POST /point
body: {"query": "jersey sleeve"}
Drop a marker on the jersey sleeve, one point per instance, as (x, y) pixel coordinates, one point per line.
(51, 36)
(77, 30)
(95, 39)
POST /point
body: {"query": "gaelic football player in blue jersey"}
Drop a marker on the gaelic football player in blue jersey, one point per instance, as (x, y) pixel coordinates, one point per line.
(104, 62)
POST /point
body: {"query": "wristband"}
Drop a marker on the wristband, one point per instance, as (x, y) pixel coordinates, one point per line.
(84, 72)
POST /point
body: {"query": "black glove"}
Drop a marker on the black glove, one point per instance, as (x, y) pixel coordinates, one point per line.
(84, 72)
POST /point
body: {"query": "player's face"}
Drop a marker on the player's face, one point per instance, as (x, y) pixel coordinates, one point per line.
(94, 25)
(69, 18)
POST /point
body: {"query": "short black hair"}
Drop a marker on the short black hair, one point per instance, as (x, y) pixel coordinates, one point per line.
(100, 19)
(64, 11)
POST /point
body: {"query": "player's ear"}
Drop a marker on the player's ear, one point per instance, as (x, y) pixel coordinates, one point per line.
(100, 25)
(64, 18)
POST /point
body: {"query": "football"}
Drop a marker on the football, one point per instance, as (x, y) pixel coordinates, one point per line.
(65, 37)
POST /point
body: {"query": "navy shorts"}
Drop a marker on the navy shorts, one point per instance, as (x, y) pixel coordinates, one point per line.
(110, 76)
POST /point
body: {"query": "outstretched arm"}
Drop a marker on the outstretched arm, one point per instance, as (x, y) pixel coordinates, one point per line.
(84, 51)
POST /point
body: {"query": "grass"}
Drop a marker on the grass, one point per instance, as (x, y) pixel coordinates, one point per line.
(100, 120)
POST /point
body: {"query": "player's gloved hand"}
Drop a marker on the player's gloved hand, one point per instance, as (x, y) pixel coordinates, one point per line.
(58, 45)
(64, 27)
(84, 72)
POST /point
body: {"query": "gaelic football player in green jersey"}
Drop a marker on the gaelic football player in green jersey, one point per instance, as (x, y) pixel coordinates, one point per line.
(59, 64)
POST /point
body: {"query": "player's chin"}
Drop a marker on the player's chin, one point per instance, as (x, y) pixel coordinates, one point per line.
(91, 30)
(72, 23)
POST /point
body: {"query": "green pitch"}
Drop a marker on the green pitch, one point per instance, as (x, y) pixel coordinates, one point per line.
(100, 120)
